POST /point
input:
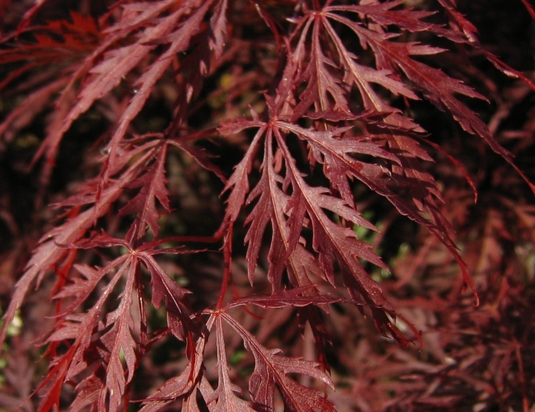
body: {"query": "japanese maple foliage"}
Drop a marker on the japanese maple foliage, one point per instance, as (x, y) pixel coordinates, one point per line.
(204, 173)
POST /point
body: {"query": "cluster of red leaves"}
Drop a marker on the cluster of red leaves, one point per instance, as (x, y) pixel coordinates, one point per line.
(221, 157)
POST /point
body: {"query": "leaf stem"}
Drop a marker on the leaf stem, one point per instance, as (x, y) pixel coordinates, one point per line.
(522, 377)
(227, 252)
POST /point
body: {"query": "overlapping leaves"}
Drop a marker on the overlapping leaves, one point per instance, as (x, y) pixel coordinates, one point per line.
(327, 124)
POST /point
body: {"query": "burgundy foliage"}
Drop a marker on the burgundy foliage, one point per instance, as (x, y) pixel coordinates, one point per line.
(201, 198)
